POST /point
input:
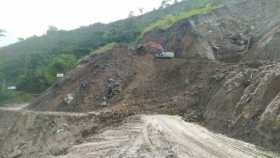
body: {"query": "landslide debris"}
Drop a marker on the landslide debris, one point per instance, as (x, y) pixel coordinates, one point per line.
(225, 76)
(221, 75)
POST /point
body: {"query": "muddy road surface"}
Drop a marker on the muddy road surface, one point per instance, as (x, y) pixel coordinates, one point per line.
(162, 136)
(14, 107)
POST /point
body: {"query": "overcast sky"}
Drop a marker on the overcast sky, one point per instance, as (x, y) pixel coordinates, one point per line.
(24, 18)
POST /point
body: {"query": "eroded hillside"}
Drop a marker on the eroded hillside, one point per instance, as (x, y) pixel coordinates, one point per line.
(225, 76)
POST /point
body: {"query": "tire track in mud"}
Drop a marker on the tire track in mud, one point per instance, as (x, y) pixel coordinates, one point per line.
(162, 136)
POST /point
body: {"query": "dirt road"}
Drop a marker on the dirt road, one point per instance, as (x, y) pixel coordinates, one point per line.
(162, 136)
(14, 107)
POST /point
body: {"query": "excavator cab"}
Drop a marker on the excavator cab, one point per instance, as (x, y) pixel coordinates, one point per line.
(157, 50)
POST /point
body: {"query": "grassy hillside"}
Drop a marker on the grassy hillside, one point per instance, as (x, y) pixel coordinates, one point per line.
(169, 20)
(33, 63)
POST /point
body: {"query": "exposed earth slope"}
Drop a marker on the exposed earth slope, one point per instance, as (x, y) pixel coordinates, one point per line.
(225, 76)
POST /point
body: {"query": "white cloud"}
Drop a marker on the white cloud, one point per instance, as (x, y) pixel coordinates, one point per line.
(24, 18)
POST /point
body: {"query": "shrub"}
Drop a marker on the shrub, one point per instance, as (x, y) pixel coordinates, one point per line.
(104, 48)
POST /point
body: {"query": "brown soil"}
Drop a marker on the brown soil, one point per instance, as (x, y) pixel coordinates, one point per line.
(221, 78)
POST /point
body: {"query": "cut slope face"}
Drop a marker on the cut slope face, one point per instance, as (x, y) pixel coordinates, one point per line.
(28, 134)
(249, 29)
(162, 136)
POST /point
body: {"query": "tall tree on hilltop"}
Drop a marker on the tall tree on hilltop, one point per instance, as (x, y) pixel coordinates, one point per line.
(165, 3)
(141, 11)
(52, 29)
(131, 14)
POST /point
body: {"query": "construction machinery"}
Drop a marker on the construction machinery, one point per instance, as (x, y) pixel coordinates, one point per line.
(165, 55)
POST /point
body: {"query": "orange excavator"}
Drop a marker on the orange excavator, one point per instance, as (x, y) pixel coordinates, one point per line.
(159, 51)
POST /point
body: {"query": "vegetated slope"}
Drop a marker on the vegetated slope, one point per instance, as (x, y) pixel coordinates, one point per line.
(32, 59)
(215, 78)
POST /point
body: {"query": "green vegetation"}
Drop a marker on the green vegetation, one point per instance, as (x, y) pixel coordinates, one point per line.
(104, 48)
(13, 96)
(38, 75)
(32, 64)
(35, 81)
(101, 49)
(170, 20)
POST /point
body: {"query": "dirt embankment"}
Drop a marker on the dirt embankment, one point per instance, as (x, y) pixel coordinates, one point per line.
(25, 134)
(69, 135)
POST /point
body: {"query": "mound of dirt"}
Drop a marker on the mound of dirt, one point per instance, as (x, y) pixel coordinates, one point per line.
(26, 134)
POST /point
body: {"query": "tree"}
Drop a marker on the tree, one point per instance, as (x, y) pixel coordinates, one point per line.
(166, 3)
(2, 32)
(60, 64)
(52, 29)
(38, 78)
(131, 14)
(141, 11)
(163, 4)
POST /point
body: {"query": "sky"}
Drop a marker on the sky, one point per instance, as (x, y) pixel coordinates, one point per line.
(25, 18)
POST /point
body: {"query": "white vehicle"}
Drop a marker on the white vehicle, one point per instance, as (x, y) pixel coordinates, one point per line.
(12, 88)
(59, 75)
(166, 55)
